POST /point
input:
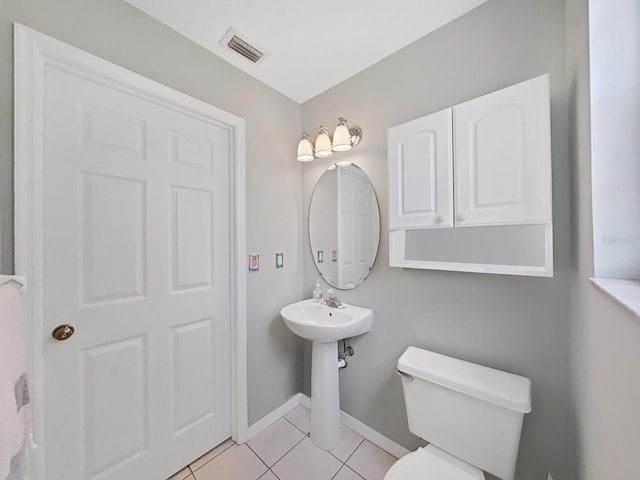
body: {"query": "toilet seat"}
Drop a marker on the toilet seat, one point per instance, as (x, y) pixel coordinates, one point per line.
(431, 463)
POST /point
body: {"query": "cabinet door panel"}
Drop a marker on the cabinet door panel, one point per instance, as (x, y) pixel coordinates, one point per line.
(503, 157)
(420, 173)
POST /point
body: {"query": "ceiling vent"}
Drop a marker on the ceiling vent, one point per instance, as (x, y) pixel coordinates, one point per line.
(241, 45)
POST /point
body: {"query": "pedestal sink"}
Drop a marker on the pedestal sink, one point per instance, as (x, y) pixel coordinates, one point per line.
(324, 326)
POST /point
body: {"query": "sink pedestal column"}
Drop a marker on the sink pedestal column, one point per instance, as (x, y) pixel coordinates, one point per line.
(325, 396)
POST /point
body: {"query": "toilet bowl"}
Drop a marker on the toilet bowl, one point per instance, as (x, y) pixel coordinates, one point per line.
(431, 463)
(471, 416)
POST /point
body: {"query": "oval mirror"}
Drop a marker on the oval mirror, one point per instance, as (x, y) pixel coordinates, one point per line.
(344, 226)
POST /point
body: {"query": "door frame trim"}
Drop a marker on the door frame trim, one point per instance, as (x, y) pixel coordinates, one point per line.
(34, 53)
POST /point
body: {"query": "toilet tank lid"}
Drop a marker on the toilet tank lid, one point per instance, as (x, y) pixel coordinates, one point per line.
(494, 386)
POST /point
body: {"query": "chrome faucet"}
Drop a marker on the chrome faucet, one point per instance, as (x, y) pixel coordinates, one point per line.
(331, 300)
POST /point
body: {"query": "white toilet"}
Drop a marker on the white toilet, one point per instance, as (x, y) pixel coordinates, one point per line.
(471, 415)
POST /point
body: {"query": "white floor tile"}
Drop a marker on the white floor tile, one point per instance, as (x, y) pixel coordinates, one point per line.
(207, 457)
(348, 443)
(301, 418)
(276, 440)
(346, 473)
(308, 462)
(237, 462)
(268, 476)
(181, 475)
(370, 461)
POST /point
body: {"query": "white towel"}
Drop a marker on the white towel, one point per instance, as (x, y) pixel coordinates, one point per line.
(15, 414)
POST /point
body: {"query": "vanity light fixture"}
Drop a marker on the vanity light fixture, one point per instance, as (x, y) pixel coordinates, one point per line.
(305, 149)
(323, 143)
(344, 138)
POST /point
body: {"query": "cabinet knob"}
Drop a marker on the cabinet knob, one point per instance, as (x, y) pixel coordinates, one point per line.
(462, 216)
(440, 218)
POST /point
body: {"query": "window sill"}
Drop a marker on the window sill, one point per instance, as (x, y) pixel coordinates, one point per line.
(622, 291)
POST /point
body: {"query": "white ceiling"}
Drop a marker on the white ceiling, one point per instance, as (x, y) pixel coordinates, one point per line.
(312, 45)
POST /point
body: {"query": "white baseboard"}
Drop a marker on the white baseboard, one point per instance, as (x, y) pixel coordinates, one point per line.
(274, 416)
(373, 436)
(348, 421)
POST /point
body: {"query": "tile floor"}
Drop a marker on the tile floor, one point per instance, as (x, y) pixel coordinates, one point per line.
(284, 452)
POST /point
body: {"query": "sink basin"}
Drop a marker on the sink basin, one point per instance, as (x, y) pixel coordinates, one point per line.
(324, 326)
(319, 323)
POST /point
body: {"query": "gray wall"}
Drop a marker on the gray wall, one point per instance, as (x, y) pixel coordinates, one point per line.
(605, 339)
(117, 32)
(518, 324)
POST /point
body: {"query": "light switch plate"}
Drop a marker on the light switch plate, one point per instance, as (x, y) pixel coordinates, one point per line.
(279, 260)
(254, 262)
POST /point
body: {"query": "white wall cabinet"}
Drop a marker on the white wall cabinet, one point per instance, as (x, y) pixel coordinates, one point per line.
(502, 152)
(421, 172)
(482, 163)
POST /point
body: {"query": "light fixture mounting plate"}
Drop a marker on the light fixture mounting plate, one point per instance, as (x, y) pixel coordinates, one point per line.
(356, 135)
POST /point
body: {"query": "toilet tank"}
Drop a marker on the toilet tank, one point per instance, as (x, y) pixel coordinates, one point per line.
(471, 411)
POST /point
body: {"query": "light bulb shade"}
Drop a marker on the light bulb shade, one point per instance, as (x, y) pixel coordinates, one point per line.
(323, 143)
(341, 137)
(305, 149)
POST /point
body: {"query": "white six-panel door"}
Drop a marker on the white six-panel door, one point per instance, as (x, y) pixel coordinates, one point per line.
(136, 258)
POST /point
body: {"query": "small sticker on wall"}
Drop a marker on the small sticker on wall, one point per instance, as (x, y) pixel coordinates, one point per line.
(334, 254)
(279, 260)
(320, 256)
(254, 262)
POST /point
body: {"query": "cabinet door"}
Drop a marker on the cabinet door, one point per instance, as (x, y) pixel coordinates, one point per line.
(503, 157)
(419, 156)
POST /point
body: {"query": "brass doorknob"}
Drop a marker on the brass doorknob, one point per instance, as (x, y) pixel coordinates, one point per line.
(63, 332)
